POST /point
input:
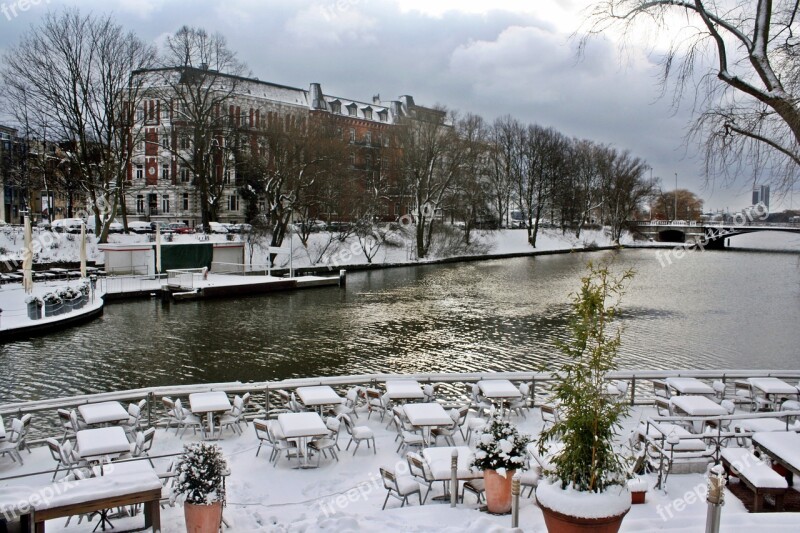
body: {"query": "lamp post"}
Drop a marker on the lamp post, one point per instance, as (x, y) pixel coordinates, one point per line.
(676, 195)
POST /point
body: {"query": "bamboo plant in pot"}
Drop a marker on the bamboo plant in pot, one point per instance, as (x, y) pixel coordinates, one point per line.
(200, 479)
(500, 452)
(586, 487)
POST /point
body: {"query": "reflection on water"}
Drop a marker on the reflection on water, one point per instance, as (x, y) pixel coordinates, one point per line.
(708, 310)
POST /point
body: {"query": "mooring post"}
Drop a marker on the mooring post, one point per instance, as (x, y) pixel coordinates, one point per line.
(715, 498)
(515, 500)
(343, 278)
(454, 478)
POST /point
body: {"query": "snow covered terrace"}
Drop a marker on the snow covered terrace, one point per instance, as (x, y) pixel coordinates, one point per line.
(347, 495)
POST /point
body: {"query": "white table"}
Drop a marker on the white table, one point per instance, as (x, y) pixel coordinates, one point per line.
(404, 389)
(697, 406)
(94, 444)
(501, 389)
(208, 403)
(427, 416)
(318, 396)
(439, 462)
(782, 446)
(690, 386)
(102, 413)
(302, 426)
(772, 388)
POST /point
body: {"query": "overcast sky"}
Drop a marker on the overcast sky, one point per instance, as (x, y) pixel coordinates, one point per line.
(491, 57)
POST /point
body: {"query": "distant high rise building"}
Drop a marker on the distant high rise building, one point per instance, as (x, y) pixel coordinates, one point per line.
(761, 195)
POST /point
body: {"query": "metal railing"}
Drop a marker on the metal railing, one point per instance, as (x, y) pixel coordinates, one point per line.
(184, 277)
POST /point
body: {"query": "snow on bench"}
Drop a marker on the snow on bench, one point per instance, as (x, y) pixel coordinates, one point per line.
(756, 475)
(131, 484)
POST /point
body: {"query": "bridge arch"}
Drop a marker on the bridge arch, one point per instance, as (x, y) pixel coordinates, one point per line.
(671, 235)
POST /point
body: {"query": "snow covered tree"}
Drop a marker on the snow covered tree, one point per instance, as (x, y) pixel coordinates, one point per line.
(747, 104)
(68, 79)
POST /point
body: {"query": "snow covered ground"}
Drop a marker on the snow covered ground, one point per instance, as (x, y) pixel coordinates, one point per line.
(323, 248)
(347, 495)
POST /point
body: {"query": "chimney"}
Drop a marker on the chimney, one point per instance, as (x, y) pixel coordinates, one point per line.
(315, 95)
(376, 99)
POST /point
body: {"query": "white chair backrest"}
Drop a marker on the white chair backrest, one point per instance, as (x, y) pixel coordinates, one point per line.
(524, 389)
(134, 411)
(55, 448)
(718, 386)
(352, 395)
(73, 418)
(139, 446)
(332, 423)
(454, 415)
(149, 435)
(179, 412)
(428, 390)
(728, 405)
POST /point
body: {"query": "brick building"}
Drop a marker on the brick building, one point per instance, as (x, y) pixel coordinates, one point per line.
(161, 188)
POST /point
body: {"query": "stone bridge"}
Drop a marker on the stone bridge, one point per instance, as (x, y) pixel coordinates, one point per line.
(707, 234)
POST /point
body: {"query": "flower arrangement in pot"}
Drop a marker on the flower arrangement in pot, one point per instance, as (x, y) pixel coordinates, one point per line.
(34, 304)
(200, 480)
(52, 304)
(500, 451)
(586, 486)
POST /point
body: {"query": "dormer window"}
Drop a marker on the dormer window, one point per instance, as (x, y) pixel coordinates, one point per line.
(383, 116)
(352, 110)
(368, 113)
(336, 107)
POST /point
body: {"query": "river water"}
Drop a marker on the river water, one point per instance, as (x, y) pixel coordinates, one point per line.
(707, 310)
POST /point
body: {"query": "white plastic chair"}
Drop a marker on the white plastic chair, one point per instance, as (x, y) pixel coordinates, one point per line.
(358, 434)
(400, 487)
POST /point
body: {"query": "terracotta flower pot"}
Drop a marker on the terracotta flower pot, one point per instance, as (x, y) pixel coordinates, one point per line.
(202, 518)
(560, 523)
(638, 496)
(498, 491)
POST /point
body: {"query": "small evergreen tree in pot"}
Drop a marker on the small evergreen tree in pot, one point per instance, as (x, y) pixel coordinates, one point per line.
(587, 464)
(500, 451)
(200, 475)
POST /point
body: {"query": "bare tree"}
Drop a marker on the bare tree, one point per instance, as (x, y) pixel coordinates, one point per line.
(625, 188)
(71, 77)
(587, 179)
(506, 158)
(748, 106)
(199, 77)
(430, 164)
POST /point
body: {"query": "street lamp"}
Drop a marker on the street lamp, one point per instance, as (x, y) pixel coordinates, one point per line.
(676, 195)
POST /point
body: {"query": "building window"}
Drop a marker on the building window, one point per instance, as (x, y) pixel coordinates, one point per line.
(368, 113)
(368, 137)
(352, 135)
(382, 116)
(386, 141)
(139, 114)
(164, 111)
(186, 201)
(233, 202)
(139, 204)
(165, 141)
(184, 142)
(226, 177)
(352, 160)
(164, 172)
(336, 107)
(369, 161)
(139, 172)
(352, 110)
(185, 175)
(262, 206)
(165, 203)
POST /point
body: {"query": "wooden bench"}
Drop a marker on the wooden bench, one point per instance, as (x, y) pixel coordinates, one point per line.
(129, 484)
(757, 476)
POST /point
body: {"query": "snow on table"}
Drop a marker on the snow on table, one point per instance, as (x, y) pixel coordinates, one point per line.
(772, 386)
(320, 395)
(759, 473)
(439, 462)
(698, 406)
(760, 425)
(427, 414)
(102, 413)
(404, 389)
(499, 388)
(782, 445)
(689, 386)
(209, 402)
(95, 443)
(296, 425)
(689, 442)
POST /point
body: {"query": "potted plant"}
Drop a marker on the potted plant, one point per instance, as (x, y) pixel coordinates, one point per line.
(501, 450)
(52, 304)
(34, 307)
(638, 488)
(200, 480)
(586, 487)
